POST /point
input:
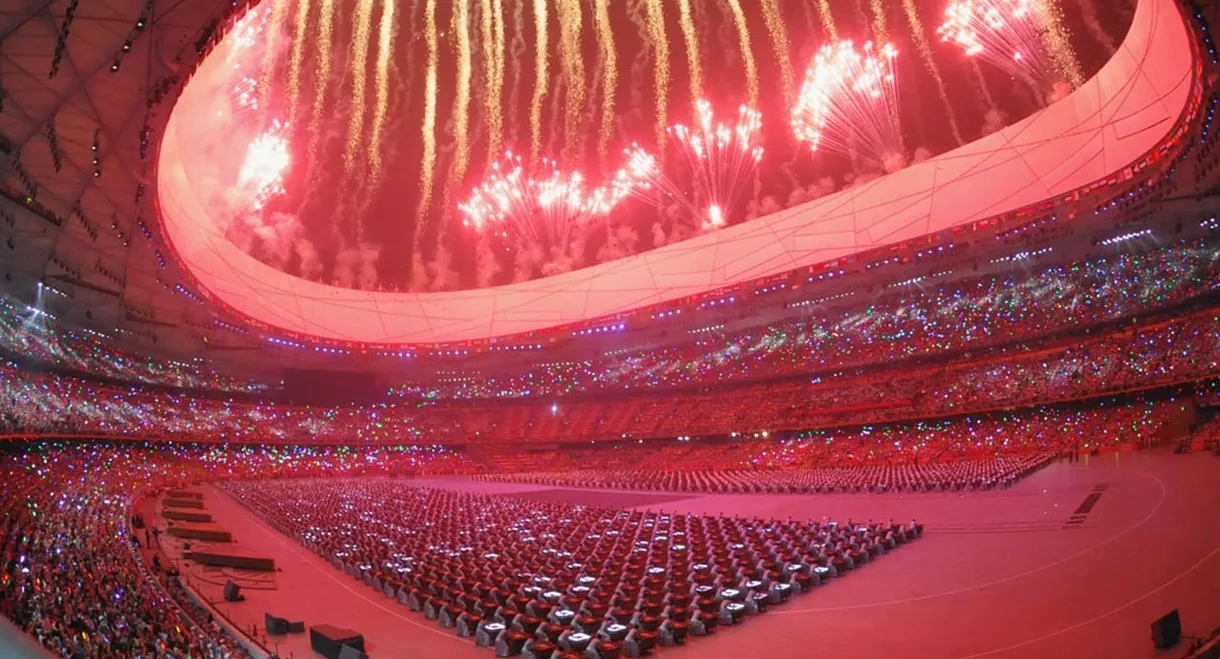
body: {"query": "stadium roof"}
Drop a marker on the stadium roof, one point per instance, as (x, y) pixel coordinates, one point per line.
(1119, 115)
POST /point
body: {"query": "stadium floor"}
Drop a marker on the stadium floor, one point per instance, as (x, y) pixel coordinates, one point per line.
(1030, 571)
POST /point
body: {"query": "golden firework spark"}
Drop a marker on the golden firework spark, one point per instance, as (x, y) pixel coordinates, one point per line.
(461, 102)
(608, 68)
(570, 21)
(279, 16)
(321, 78)
(779, 44)
(428, 164)
(880, 31)
(1057, 44)
(828, 19)
(655, 13)
(385, 51)
(925, 53)
(747, 55)
(518, 67)
(492, 35)
(541, 64)
(360, 54)
(691, 38)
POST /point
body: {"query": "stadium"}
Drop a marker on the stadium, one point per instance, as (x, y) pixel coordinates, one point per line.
(592, 329)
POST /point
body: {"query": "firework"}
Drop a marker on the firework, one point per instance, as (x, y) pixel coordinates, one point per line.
(543, 210)
(246, 95)
(608, 65)
(1006, 33)
(716, 159)
(262, 172)
(747, 52)
(849, 101)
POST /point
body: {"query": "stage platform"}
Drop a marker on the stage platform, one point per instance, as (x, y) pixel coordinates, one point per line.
(234, 558)
(193, 516)
(189, 504)
(183, 494)
(206, 532)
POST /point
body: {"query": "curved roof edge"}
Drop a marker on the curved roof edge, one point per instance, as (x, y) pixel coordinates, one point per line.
(1116, 117)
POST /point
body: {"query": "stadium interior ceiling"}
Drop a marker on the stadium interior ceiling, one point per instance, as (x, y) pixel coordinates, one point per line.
(80, 123)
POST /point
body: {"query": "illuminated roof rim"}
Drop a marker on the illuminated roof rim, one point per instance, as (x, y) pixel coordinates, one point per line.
(1116, 117)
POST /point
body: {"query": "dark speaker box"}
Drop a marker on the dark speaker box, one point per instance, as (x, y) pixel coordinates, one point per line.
(232, 592)
(296, 627)
(1167, 631)
(349, 652)
(275, 626)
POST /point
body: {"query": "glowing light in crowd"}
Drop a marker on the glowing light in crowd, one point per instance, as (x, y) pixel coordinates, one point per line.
(850, 101)
(262, 172)
(539, 211)
(717, 159)
(1006, 33)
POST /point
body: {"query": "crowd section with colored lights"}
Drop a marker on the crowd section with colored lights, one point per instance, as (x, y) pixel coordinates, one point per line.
(28, 333)
(968, 453)
(966, 315)
(72, 575)
(1166, 353)
(540, 577)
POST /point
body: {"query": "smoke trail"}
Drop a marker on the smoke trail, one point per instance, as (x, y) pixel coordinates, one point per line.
(279, 16)
(828, 20)
(385, 49)
(925, 52)
(360, 53)
(461, 103)
(428, 130)
(655, 12)
(608, 72)
(514, 98)
(779, 44)
(978, 76)
(747, 55)
(691, 38)
(570, 24)
(541, 57)
(321, 78)
(1088, 13)
(491, 13)
(880, 29)
(639, 65)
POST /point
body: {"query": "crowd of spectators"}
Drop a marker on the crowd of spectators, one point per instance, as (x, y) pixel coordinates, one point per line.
(1169, 352)
(31, 335)
(70, 574)
(522, 574)
(965, 315)
(965, 453)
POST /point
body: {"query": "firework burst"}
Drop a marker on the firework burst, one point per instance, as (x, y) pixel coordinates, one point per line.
(262, 172)
(716, 160)
(1006, 33)
(849, 101)
(543, 211)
